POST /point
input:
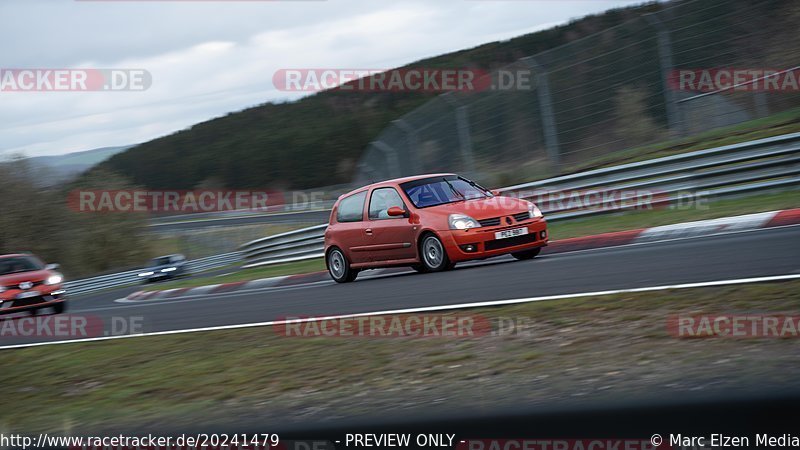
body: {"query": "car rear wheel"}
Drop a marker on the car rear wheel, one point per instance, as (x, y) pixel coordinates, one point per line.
(432, 255)
(339, 267)
(527, 254)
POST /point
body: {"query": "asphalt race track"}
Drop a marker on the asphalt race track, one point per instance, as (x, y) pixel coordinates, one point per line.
(759, 253)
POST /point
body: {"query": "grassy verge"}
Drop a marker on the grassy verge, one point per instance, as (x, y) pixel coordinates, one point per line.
(609, 347)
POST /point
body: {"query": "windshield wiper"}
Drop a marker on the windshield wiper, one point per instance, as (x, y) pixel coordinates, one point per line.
(477, 186)
(455, 191)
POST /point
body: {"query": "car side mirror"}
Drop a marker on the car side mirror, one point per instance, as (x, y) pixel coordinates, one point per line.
(52, 266)
(396, 211)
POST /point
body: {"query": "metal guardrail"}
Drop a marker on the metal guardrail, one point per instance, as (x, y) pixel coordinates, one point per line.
(119, 279)
(764, 164)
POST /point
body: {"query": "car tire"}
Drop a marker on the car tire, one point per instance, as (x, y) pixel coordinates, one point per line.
(527, 254)
(433, 257)
(339, 267)
(60, 307)
(419, 268)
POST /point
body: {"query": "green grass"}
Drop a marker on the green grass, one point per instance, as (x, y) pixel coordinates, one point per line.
(616, 346)
(311, 265)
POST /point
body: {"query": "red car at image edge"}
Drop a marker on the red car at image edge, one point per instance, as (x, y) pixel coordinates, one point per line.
(428, 222)
(27, 284)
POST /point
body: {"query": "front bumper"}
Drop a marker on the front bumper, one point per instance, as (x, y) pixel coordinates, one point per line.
(157, 276)
(12, 304)
(479, 243)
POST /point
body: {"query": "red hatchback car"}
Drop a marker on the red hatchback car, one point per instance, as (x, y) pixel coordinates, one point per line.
(27, 284)
(428, 222)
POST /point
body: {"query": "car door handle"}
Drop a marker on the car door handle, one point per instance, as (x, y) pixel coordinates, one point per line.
(368, 231)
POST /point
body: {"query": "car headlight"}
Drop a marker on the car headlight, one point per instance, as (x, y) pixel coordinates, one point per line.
(145, 274)
(54, 279)
(462, 222)
(534, 211)
(169, 269)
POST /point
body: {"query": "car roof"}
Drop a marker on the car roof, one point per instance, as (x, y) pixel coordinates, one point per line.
(395, 181)
(12, 255)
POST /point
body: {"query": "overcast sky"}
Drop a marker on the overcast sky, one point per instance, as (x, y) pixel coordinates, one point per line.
(208, 58)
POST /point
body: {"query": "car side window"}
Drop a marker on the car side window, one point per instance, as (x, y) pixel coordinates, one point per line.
(382, 199)
(351, 209)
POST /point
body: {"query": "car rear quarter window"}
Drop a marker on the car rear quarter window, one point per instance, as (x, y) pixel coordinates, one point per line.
(351, 209)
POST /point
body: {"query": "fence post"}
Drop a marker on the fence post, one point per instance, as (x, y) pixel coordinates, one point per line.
(674, 121)
(464, 134)
(762, 106)
(465, 138)
(412, 143)
(546, 110)
(392, 161)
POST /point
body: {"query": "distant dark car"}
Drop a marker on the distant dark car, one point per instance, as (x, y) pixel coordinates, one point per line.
(28, 284)
(164, 267)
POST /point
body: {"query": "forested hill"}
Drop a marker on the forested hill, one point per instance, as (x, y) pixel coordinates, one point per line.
(315, 141)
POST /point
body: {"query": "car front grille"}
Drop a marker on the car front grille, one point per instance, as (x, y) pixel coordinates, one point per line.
(493, 222)
(522, 216)
(510, 242)
(26, 301)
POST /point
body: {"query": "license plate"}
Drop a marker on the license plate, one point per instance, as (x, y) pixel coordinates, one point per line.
(27, 294)
(510, 233)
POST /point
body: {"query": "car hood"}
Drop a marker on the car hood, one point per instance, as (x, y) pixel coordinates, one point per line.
(486, 208)
(16, 278)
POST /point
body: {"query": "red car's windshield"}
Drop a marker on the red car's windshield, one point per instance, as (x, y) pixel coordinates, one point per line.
(16, 264)
(440, 190)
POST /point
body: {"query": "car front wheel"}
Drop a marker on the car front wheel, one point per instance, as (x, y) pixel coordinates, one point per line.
(60, 307)
(339, 267)
(527, 254)
(432, 255)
